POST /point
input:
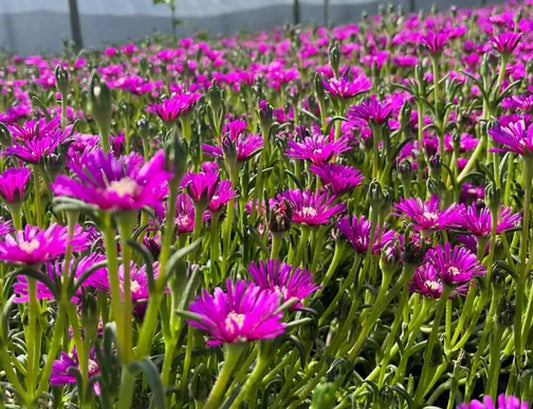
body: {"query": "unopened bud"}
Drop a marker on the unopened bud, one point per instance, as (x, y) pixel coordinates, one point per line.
(324, 396)
(6, 139)
(62, 80)
(100, 101)
(334, 53)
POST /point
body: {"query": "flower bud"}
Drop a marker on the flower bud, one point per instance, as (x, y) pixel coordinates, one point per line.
(334, 54)
(435, 167)
(198, 387)
(6, 139)
(390, 257)
(437, 354)
(529, 66)
(405, 115)
(265, 115)
(143, 126)
(484, 69)
(432, 186)
(279, 217)
(324, 396)
(507, 313)
(89, 315)
(319, 87)
(493, 196)
(376, 196)
(100, 101)
(62, 80)
(414, 250)
(180, 157)
(214, 95)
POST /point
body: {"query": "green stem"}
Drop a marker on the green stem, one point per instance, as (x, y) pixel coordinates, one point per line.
(428, 358)
(33, 337)
(277, 240)
(232, 355)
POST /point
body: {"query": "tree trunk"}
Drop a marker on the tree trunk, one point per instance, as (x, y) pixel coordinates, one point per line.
(296, 12)
(75, 28)
(326, 13)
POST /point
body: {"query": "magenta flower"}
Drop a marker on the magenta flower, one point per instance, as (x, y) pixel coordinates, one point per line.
(317, 149)
(311, 208)
(339, 178)
(357, 231)
(243, 313)
(505, 43)
(478, 221)
(13, 183)
(435, 41)
(116, 184)
(426, 281)
(281, 280)
(61, 369)
(223, 194)
(516, 137)
(426, 216)
(54, 270)
(36, 128)
(5, 227)
(343, 88)
(184, 214)
(170, 109)
(34, 150)
(35, 246)
(454, 266)
(245, 145)
(503, 402)
(201, 185)
(371, 110)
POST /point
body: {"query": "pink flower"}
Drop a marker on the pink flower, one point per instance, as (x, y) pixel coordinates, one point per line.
(311, 208)
(244, 312)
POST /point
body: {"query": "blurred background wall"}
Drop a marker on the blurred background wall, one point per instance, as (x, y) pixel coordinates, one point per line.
(40, 26)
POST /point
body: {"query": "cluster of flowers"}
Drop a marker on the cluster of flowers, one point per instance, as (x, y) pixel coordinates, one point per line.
(328, 196)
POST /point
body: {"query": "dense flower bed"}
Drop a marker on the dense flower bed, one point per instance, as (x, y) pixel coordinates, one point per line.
(325, 218)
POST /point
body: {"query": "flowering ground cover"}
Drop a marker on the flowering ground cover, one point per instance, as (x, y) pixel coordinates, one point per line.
(310, 217)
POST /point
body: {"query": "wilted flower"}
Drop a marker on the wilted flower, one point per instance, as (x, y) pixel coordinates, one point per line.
(243, 313)
(283, 280)
(184, 213)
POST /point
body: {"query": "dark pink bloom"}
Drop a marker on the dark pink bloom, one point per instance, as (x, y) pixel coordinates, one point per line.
(505, 43)
(283, 280)
(54, 271)
(201, 185)
(170, 109)
(61, 369)
(357, 231)
(426, 281)
(435, 41)
(184, 213)
(116, 184)
(503, 402)
(35, 128)
(245, 144)
(35, 246)
(223, 194)
(455, 265)
(344, 88)
(371, 110)
(478, 220)
(311, 208)
(243, 313)
(426, 216)
(317, 148)
(339, 178)
(34, 150)
(515, 137)
(13, 183)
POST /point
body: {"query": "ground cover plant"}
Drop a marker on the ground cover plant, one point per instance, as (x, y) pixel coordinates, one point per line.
(309, 217)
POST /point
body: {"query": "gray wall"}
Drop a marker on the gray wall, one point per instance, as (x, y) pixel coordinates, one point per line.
(39, 26)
